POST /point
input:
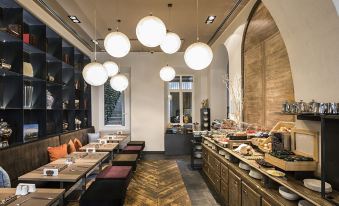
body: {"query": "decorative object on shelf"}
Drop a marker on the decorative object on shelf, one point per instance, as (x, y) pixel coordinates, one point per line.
(4, 65)
(65, 104)
(31, 132)
(77, 103)
(204, 103)
(12, 29)
(50, 78)
(65, 58)
(205, 119)
(198, 55)
(171, 42)
(111, 68)
(65, 126)
(315, 185)
(77, 124)
(5, 133)
(28, 97)
(288, 194)
(94, 73)
(119, 82)
(25, 38)
(151, 31)
(49, 100)
(167, 73)
(196, 126)
(28, 69)
(77, 84)
(314, 107)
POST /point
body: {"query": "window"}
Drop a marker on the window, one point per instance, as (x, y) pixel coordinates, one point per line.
(180, 100)
(114, 106)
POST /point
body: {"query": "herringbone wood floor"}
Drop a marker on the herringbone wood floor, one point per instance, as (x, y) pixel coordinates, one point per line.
(157, 182)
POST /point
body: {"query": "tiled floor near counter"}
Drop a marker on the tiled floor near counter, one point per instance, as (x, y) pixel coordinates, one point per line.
(197, 188)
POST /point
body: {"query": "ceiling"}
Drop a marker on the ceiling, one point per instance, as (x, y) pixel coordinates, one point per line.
(182, 21)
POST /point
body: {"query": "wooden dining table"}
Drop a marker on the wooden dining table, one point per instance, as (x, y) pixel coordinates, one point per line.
(108, 147)
(41, 197)
(114, 137)
(84, 164)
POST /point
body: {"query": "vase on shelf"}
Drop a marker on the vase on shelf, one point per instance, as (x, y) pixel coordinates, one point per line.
(49, 99)
(28, 97)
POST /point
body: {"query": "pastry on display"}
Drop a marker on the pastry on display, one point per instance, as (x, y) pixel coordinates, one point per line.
(263, 163)
(276, 173)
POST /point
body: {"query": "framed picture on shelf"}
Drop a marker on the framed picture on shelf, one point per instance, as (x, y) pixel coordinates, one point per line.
(31, 132)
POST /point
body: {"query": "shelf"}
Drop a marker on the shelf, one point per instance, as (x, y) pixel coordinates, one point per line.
(6, 37)
(32, 79)
(30, 49)
(5, 72)
(51, 58)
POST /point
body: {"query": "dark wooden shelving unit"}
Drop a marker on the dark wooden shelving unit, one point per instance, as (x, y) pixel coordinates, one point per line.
(57, 65)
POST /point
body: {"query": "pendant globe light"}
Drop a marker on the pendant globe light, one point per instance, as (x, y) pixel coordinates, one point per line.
(151, 31)
(199, 55)
(167, 73)
(111, 68)
(117, 44)
(172, 42)
(119, 82)
(94, 73)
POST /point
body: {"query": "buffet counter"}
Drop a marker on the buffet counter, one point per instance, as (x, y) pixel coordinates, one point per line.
(227, 178)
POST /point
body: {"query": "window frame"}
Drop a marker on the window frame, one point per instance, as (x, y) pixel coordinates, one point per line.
(127, 103)
(181, 103)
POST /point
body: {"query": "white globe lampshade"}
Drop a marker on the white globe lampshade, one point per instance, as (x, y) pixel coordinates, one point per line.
(117, 44)
(171, 43)
(151, 31)
(167, 73)
(111, 68)
(94, 74)
(119, 82)
(198, 56)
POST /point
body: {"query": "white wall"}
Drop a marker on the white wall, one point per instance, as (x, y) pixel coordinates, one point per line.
(147, 95)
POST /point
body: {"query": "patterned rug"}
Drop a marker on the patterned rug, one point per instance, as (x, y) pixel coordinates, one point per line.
(157, 182)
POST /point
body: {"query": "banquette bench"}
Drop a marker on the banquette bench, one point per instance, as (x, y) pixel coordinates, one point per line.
(24, 158)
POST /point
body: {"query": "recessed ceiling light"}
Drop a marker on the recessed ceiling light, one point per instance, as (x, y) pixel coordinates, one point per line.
(76, 21)
(72, 17)
(210, 19)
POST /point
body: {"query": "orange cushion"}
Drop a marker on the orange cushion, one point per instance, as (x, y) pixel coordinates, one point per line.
(77, 144)
(71, 147)
(57, 152)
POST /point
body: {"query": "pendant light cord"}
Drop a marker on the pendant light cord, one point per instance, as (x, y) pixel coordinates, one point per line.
(95, 32)
(117, 10)
(197, 13)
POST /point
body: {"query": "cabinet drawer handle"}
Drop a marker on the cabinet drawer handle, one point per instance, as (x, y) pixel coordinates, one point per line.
(245, 191)
(235, 182)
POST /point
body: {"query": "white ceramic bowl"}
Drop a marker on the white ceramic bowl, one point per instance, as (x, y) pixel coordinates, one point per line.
(315, 185)
(288, 194)
(255, 174)
(244, 166)
(197, 155)
(304, 203)
(198, 147)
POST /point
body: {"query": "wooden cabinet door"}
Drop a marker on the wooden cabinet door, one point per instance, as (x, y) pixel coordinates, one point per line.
(265, 202)
(234, 189)
(205, 156)
(224, 191)
(249, 197)
(224, 173)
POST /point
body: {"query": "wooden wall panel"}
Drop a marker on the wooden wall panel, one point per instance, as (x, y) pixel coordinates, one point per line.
(267, 77)
(253, 101)
(278, 80)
